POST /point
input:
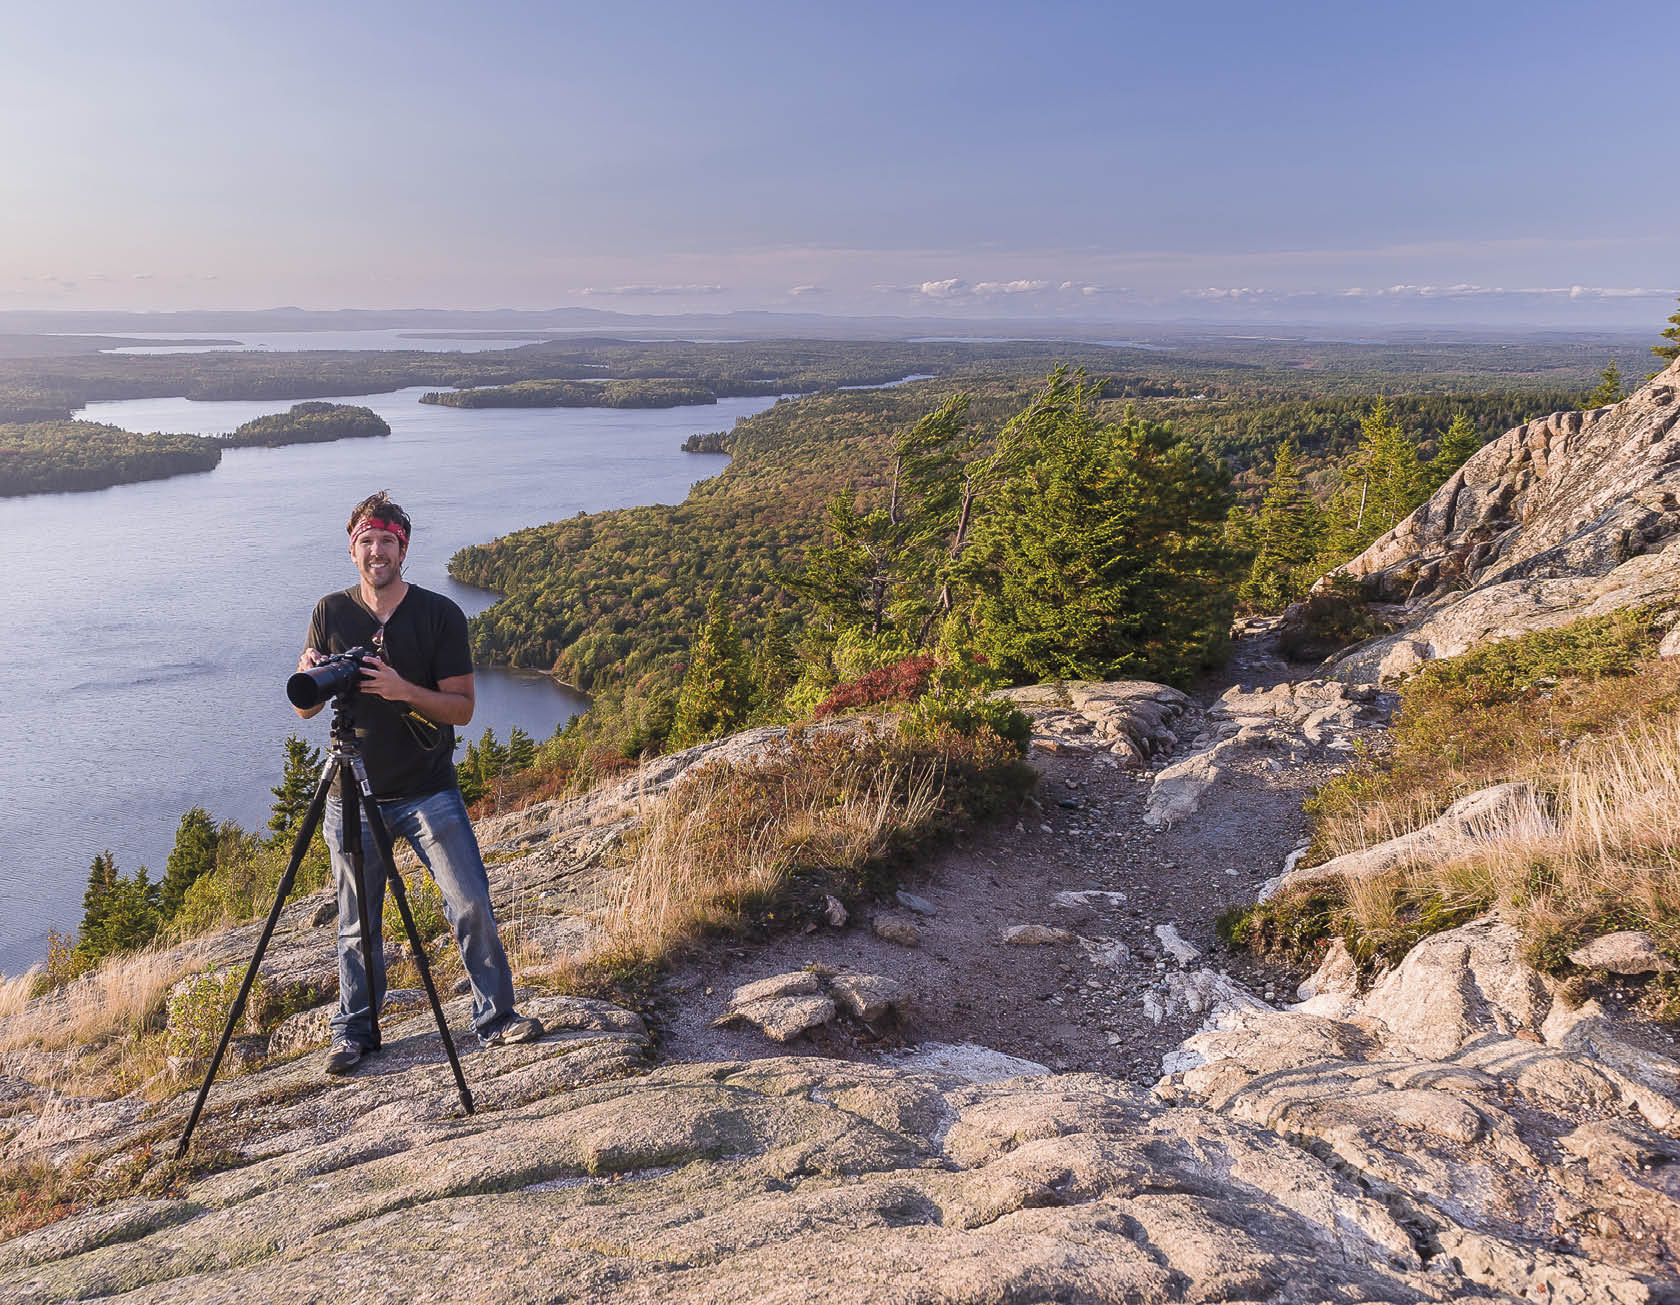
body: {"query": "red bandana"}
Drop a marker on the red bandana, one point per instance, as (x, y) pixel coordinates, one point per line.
(379, 523)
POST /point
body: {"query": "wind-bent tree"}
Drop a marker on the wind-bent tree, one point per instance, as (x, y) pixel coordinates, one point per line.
(1100, 552)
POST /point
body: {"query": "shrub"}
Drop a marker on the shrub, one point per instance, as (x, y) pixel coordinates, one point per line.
(1328, 620)
(199, 1006)
(903, 681)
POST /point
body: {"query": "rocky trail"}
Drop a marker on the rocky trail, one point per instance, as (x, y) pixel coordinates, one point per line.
(1082, 938)
(1034, 1075)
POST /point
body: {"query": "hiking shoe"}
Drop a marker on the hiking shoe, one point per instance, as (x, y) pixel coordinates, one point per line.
(343, 1056)
(516, 1028)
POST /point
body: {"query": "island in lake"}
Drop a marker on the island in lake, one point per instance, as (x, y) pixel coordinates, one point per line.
(307, 423)
(45, 457)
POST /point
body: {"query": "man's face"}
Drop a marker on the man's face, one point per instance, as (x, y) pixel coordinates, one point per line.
(378, 555)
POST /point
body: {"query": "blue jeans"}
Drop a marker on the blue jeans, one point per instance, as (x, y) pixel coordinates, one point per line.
(439, 831)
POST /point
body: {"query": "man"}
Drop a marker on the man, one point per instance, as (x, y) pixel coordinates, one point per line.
(416, 688)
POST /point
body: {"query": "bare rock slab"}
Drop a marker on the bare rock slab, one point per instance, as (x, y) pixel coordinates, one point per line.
(796, 983)
(782, 1019)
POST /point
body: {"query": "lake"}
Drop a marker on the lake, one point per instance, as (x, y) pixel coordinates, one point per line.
(150, 628)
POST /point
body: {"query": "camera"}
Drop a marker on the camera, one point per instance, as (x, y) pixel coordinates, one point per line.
(340, 673)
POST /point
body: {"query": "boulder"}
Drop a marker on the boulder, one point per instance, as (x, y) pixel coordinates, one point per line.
(1631, 951)
(782, 1019)
(1175, 946)
(869, 997)
(796, 983)
(896, 928)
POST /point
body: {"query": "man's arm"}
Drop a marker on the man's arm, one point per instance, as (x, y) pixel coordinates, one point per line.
(451, 703)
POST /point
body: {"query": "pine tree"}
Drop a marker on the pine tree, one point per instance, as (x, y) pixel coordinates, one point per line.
(492, 763)
(467, 775)
(1286, 536)
(716, 689)
(131, 917)
(773, 667)
(1459, 442)
(194, 854)
(1609, 387)
(1381, 482)
(298, 779)
(521, 750)
(1670, 351)
(1100, 553)
(96, 899)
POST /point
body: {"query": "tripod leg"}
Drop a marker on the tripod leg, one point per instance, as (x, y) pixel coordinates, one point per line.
(300, 848)
(382, 842)
(350, 800)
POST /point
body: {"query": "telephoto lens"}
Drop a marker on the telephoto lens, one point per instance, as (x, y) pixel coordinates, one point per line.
(338, 674)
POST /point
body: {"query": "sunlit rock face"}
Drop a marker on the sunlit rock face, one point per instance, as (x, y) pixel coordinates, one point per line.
(1572, 515)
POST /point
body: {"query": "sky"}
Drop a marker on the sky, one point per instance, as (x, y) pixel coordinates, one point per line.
(1471, 161)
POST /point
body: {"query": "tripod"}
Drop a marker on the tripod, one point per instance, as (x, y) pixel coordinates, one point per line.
(355, 795)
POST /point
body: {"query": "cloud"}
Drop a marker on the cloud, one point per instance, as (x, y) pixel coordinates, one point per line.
(650, 290)
(1458, 290)
(802, 290)
(954, 287)
(1012, 287)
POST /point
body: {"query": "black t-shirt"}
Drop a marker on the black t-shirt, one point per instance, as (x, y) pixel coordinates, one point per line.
(425, 641)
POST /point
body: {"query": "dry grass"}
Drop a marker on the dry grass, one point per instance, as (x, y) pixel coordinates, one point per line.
(1586, 716)
(15, 993)
(736, 846)
(123, 997)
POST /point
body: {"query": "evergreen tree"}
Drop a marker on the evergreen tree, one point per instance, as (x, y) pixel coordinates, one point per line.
(1670, 351)
(131, 917)
(716, 689)
(1609, 387)
(1381, 482)
(889, 570)
(194, 854)
(96, 898)
(1286, 537)
(302, 772)
(773, 670)
(492, 763)
(467, 775)
(521, 750)
(1457, 445)
(1100, 553)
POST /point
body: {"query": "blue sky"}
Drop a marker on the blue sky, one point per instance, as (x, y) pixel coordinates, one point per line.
(1477, 160)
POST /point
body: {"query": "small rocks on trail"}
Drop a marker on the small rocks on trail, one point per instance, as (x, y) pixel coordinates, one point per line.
(897, 929)
(1035, 935)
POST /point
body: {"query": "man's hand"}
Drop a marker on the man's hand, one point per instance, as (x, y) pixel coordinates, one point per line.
(383, 682)
(309, 658)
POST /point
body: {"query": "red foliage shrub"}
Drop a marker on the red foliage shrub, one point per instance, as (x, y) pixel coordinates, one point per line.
(901, 682)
